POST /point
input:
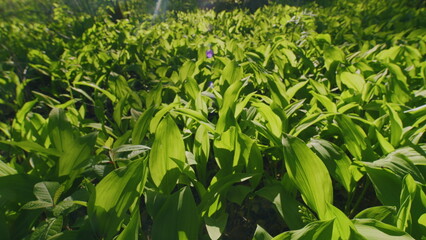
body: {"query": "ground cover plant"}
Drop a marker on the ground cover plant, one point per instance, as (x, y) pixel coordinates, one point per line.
(291, 122)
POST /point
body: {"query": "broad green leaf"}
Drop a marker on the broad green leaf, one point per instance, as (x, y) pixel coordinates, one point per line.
(199, 117)
(201, 150)
(414, 154)
(326, 102)
(76, 154)
(16, 190)
(111, 96)
(384, 144)
(403, 220)
(294, 89)
(412, 207)
(343, 227)
(45, 191)
(422, 224)
(114, 195)
(396, 126)
(179, 213)
(117, 114)
(227, 149)
(285, 203)
(353, 81)
(62, 207)
(37, 205)
(400, 166)
(241, 105)
(261, 234)
(387, 185)
(131, 231)
(313, 231)
(231, 73)
(308, 121)
(238, 193)
(308, 173)
(216, 224)
(389, 54)
(252, 157)
(186, 70)
(355, 138)
(168, 144)
(47, 230)
(373, 229)
(278, 92)
(273, 122)
(33, 146)
(74, 150)
(227, 110)
(159, 115)
(336, 161)
(331, 54)
(5, 169)
(218, 186)
(23, 111)
(379, 213)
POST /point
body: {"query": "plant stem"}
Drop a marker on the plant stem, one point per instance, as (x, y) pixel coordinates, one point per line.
(361, 196)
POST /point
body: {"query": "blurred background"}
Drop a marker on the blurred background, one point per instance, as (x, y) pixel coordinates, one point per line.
(43, 10)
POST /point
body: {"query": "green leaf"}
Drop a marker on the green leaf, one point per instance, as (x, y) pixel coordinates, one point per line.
(373, 229)
(37, 205)
(355, 139)
(62, 207)
(45, 191)
(353, 81)
(331, 54)
(199, 117)
(387, 185)
(74, 150)
(326, 102)
(379, 213)
(94, 86)
(422, 224)
(238, 193)
(396, 126)
(47, 230)
(336, 161)
(313, 231)
(5, 169)
(113, 196)
(159, 115)
(33, 146)
(131, 231)
(308, 173)
(216, 224)
(201, 150)
(415, 154)
(179, 213)
(285, 202)
(76, 154)
(219, 185)
(227, 110)
(232, 73)
(168, 144)
(261, 234)
(399, 165)
(227, 149)
(403, 220)
(252, 157)
(273, 122)
(16, 190)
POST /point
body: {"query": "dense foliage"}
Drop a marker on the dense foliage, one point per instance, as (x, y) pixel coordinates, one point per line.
(287, 123)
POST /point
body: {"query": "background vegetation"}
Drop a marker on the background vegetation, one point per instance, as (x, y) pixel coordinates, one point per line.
(293, 120)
